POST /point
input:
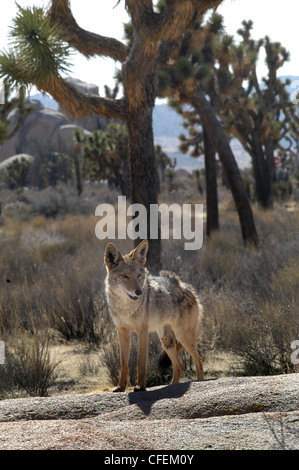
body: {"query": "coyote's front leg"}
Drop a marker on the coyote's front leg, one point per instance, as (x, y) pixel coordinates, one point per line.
(124, 345)
(142, 359)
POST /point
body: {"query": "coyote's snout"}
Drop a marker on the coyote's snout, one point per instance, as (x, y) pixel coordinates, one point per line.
(142, 303)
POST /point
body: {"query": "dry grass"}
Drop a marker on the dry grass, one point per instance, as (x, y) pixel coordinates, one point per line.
(52, 281)
(253, 296)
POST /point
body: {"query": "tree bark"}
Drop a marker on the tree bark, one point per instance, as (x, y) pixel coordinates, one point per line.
(262, 173)
(144, 178)
(140, 86)
(76, 157)
(216, 133)
(211, 185)
(87, 43)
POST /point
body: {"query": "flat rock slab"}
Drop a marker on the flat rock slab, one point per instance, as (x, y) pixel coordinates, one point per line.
(227, 413)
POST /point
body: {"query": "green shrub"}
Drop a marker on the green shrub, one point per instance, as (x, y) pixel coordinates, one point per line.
(16, 174)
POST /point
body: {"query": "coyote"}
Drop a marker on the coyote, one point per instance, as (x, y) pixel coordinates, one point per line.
(142, 303)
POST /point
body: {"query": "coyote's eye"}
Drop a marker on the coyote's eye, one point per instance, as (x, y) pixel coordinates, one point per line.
(124, 276)
(139, 276)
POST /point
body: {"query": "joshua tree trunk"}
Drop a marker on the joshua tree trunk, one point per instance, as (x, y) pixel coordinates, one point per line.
(211, 185)
(262, 173)
(216, 133)
(76, 157)
(140, 93)
(144, 177)
(144, 180)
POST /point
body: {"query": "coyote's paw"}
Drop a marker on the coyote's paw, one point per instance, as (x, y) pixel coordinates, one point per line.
(118, 389)
(139, 388)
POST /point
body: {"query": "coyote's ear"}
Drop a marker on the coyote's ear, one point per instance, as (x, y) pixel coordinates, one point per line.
(112, 257)
(139, 254)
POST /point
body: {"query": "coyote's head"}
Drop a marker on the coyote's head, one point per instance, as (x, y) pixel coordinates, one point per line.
(126, 273)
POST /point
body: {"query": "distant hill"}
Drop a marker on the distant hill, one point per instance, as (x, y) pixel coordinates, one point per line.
(168, 126)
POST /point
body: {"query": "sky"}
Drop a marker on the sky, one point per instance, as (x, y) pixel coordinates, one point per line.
(275, 18)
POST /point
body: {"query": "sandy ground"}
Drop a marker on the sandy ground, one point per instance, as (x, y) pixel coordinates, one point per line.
(81, 369)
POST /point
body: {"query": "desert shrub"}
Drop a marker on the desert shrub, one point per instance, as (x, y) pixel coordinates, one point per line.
(53, 202)
(60, 201)
(282, 190)
(51, 270)
(28, 365)
(52, 276)
(111, 362)
(16, 174)
(75, 319)
(50, 169)
(89, 366)
(257, 324)
(250, 296)
(262, 343)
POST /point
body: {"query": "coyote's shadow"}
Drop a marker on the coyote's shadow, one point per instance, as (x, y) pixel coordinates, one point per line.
(145, 400)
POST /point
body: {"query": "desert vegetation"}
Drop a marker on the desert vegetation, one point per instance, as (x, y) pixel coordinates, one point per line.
(53, 314)
(54, 320)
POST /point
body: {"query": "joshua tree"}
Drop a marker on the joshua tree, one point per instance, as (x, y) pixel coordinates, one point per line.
(105, 155)
(42, 44)
(289, 156)
(11, 103)
(198, 143)
(189, 79)
(258, 115)
(164, 162)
